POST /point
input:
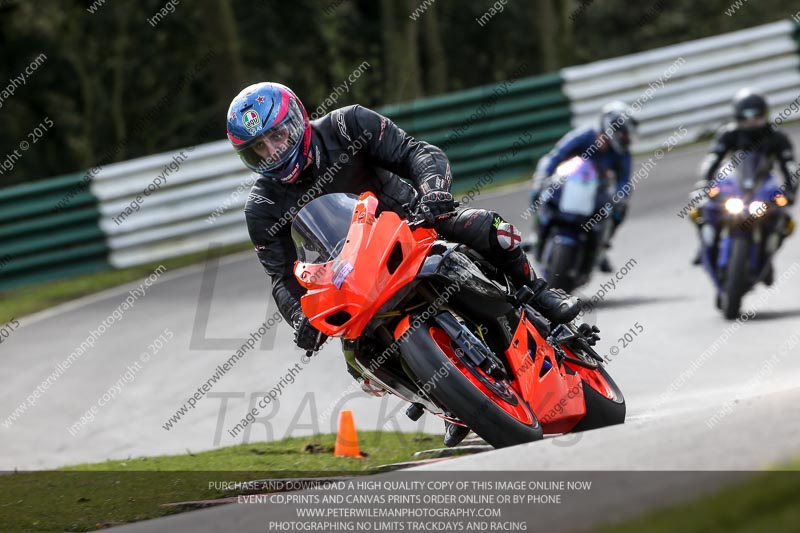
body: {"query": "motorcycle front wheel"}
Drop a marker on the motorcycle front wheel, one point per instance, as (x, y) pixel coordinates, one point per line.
(561, 259)
(736, 279)
(492, 408)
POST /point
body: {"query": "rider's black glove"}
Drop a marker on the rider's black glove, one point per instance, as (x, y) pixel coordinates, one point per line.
(307, 336)
(590, 333)
(435, 205)
(791, 196)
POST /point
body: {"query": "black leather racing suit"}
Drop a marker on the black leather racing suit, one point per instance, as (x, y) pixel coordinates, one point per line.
(770, 142)
(354, 150)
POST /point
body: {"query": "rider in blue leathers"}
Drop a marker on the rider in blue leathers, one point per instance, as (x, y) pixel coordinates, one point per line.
(607, 147)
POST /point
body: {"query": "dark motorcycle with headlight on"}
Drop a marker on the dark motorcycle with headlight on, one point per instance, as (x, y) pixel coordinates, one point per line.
(742, 225)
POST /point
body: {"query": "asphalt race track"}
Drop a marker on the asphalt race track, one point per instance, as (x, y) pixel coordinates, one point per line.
(673, 389)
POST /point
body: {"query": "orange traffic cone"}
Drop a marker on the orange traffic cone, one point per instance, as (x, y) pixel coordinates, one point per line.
(346, 438)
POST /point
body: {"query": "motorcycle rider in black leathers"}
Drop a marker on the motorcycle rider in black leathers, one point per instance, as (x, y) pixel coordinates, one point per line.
(751, 133)
(354, 150)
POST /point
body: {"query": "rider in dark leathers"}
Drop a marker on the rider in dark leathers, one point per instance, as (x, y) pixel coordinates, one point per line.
(354, 150)
(751, 133)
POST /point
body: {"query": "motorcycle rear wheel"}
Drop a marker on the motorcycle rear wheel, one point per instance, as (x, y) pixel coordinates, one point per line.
(601, 411)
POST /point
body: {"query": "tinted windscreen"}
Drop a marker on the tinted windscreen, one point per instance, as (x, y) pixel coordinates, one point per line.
(752, 169)
(320, 229)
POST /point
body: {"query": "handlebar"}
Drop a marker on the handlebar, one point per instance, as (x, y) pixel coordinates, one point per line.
(415, 220)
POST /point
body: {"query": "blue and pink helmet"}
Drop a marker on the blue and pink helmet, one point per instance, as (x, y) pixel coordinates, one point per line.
(274, 110)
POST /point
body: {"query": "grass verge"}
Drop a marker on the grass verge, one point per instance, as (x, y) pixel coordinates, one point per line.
(770, 501)
(85, 497)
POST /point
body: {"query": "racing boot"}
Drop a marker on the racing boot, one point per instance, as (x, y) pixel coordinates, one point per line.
(605, 265)
(554, 304)
(697, 260)
(454, 434)
(698, 257)
(769, 276)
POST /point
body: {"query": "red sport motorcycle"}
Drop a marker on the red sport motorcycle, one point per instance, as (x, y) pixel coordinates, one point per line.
(437, 325)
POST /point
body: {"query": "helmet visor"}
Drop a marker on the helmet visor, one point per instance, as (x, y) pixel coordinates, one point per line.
(622, 137)
(751, 118)
(618, 128)
(276, 146)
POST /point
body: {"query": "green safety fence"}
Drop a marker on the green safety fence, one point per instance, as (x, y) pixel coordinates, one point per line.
(49, 230)
(493, 131)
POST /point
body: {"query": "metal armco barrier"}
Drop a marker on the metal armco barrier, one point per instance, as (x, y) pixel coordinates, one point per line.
(689, 84)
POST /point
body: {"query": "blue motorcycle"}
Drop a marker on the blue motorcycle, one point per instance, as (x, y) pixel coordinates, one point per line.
(571, 223)
(742, 225)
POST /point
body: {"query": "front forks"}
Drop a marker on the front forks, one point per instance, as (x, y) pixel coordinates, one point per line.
(471, 348)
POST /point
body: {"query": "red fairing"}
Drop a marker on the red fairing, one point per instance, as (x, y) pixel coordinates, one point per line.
(555, 395)
(344, 294)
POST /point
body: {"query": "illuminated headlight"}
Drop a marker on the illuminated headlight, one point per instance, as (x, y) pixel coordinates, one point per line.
(757, 208)
(734, 206)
